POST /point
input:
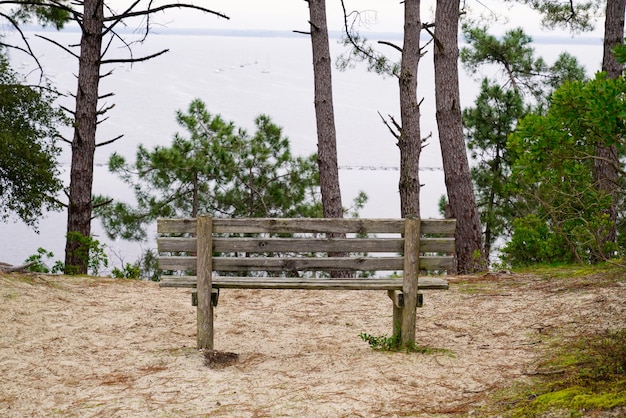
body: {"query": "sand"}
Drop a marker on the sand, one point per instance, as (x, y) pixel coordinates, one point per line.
(107, 347)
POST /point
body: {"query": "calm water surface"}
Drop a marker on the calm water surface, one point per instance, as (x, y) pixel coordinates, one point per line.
(240, 78)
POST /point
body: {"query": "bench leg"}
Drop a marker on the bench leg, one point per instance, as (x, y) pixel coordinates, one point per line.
(397, 297)
(205, 270)
(205, 322)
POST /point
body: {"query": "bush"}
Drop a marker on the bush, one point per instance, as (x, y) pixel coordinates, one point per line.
(534, 242)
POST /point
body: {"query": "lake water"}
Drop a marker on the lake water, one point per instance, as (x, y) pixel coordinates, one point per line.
(241, 77)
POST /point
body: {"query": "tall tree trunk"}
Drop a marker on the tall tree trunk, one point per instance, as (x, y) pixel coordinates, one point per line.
(324, 112)
(613, 35)
(453, 152)
(607, 162)
(325, 118)
(410, 141)
(84, 141)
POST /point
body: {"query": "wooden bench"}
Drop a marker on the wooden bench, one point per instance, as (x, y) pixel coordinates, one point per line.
(268, 253)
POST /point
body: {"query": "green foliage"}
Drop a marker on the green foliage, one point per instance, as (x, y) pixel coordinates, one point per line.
(358, 203)
(52, 14)
(217, 169)
(91, 251)
(487, 126)
(29, 174)
(146, 267)
(577, 16)
(39, 266)
(361, 51)
(513, 54)
(129, 271)
(382, 343)
(527, 85)
(554, 163)
(442, 205)
(394, 344)
(620, 53)
(533, 242)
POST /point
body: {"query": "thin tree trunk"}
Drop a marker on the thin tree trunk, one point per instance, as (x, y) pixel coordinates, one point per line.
(453, 151)
(84, 141)
(410, 141)
(613, 35)
(607, 161)
(325, 118)
(324, 112)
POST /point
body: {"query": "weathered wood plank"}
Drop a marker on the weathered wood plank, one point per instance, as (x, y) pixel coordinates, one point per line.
(308, 225)
(306, 263)
(176, 226)
(305, 225)
(176, 244)
(445, 227)
(266, 245)
(437, 245)
(424, 283)
(177, 263)
(308, 245)
(429, 263)
(437, 263)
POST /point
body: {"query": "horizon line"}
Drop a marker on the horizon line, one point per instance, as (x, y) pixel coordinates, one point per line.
(272, 33)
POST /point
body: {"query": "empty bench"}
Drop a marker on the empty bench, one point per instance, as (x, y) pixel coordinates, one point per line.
(301, 253)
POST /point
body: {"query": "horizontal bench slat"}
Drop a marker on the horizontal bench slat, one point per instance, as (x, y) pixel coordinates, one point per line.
(367, 245)
(425, 283)
(268, 245)
(306, 263)
(285, 263)
(306, 225)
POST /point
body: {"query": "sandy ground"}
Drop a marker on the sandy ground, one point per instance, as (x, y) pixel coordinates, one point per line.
(103, 347)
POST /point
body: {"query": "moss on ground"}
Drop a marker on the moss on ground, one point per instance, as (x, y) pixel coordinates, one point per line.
(585, 376)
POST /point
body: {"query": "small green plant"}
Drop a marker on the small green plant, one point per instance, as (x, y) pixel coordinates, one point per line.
(90, 250)
(148, 265)
(130, 271)
(382, 343)
(393, 343)
(39, 265)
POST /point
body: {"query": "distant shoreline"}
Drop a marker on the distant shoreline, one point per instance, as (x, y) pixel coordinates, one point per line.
(263, 33)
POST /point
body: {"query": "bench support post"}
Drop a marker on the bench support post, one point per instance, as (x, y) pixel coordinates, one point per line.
(397, 299)
(410, 283)
(204, 252)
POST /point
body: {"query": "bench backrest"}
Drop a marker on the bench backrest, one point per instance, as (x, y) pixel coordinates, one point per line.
(297, 245)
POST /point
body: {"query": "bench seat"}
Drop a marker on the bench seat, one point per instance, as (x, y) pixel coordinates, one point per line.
(424, 283)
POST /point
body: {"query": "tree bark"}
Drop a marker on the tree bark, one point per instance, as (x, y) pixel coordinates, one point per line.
(79, 211)
(324, 112)
(613, 35)
(453, 151)
(605, 165)
(325, 118)
(410, 141)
